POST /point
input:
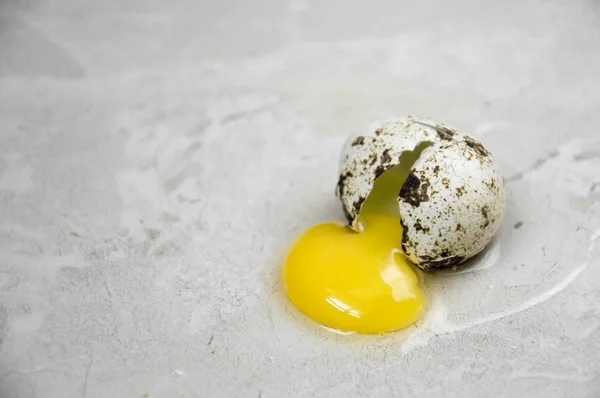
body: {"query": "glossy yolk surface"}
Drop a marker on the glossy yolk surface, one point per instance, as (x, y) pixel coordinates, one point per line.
(359, 282)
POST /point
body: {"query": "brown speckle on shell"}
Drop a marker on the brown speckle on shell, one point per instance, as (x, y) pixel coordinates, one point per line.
(358, 141)
(420, 227)
(358, 205)
(445, 133)
(477, 147)
(491, 185)
(380, 170)
(385, 157)
(341, 185)
(405, 235)
(486, 216)
(414, 191)
(385, 163)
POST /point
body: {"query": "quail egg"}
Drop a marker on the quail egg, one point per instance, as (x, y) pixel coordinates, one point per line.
(414, 192)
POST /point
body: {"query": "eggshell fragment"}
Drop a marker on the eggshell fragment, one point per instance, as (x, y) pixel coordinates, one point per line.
(452, 201)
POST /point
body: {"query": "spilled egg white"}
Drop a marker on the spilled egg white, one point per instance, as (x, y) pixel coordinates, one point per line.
(450, 202)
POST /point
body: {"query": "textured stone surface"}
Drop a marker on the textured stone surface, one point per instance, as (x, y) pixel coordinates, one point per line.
(157, 159)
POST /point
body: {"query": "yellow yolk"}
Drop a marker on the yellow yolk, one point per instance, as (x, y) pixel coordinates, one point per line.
(354, 282)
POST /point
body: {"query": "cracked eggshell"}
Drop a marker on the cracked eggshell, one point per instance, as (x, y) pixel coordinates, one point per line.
(366, 157)
(452, 201)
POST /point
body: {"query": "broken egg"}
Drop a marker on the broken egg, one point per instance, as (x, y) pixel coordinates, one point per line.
(446, 187)
(414, 192)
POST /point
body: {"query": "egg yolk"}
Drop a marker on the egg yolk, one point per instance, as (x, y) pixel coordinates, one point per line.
(354, 282)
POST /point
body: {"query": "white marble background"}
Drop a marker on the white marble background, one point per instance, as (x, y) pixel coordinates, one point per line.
(157, 159)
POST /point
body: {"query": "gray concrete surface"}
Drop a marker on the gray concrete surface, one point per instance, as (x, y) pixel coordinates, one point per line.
(157, 159)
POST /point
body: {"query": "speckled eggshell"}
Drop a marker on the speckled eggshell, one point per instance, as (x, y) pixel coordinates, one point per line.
(366, 157)
(452, 202)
